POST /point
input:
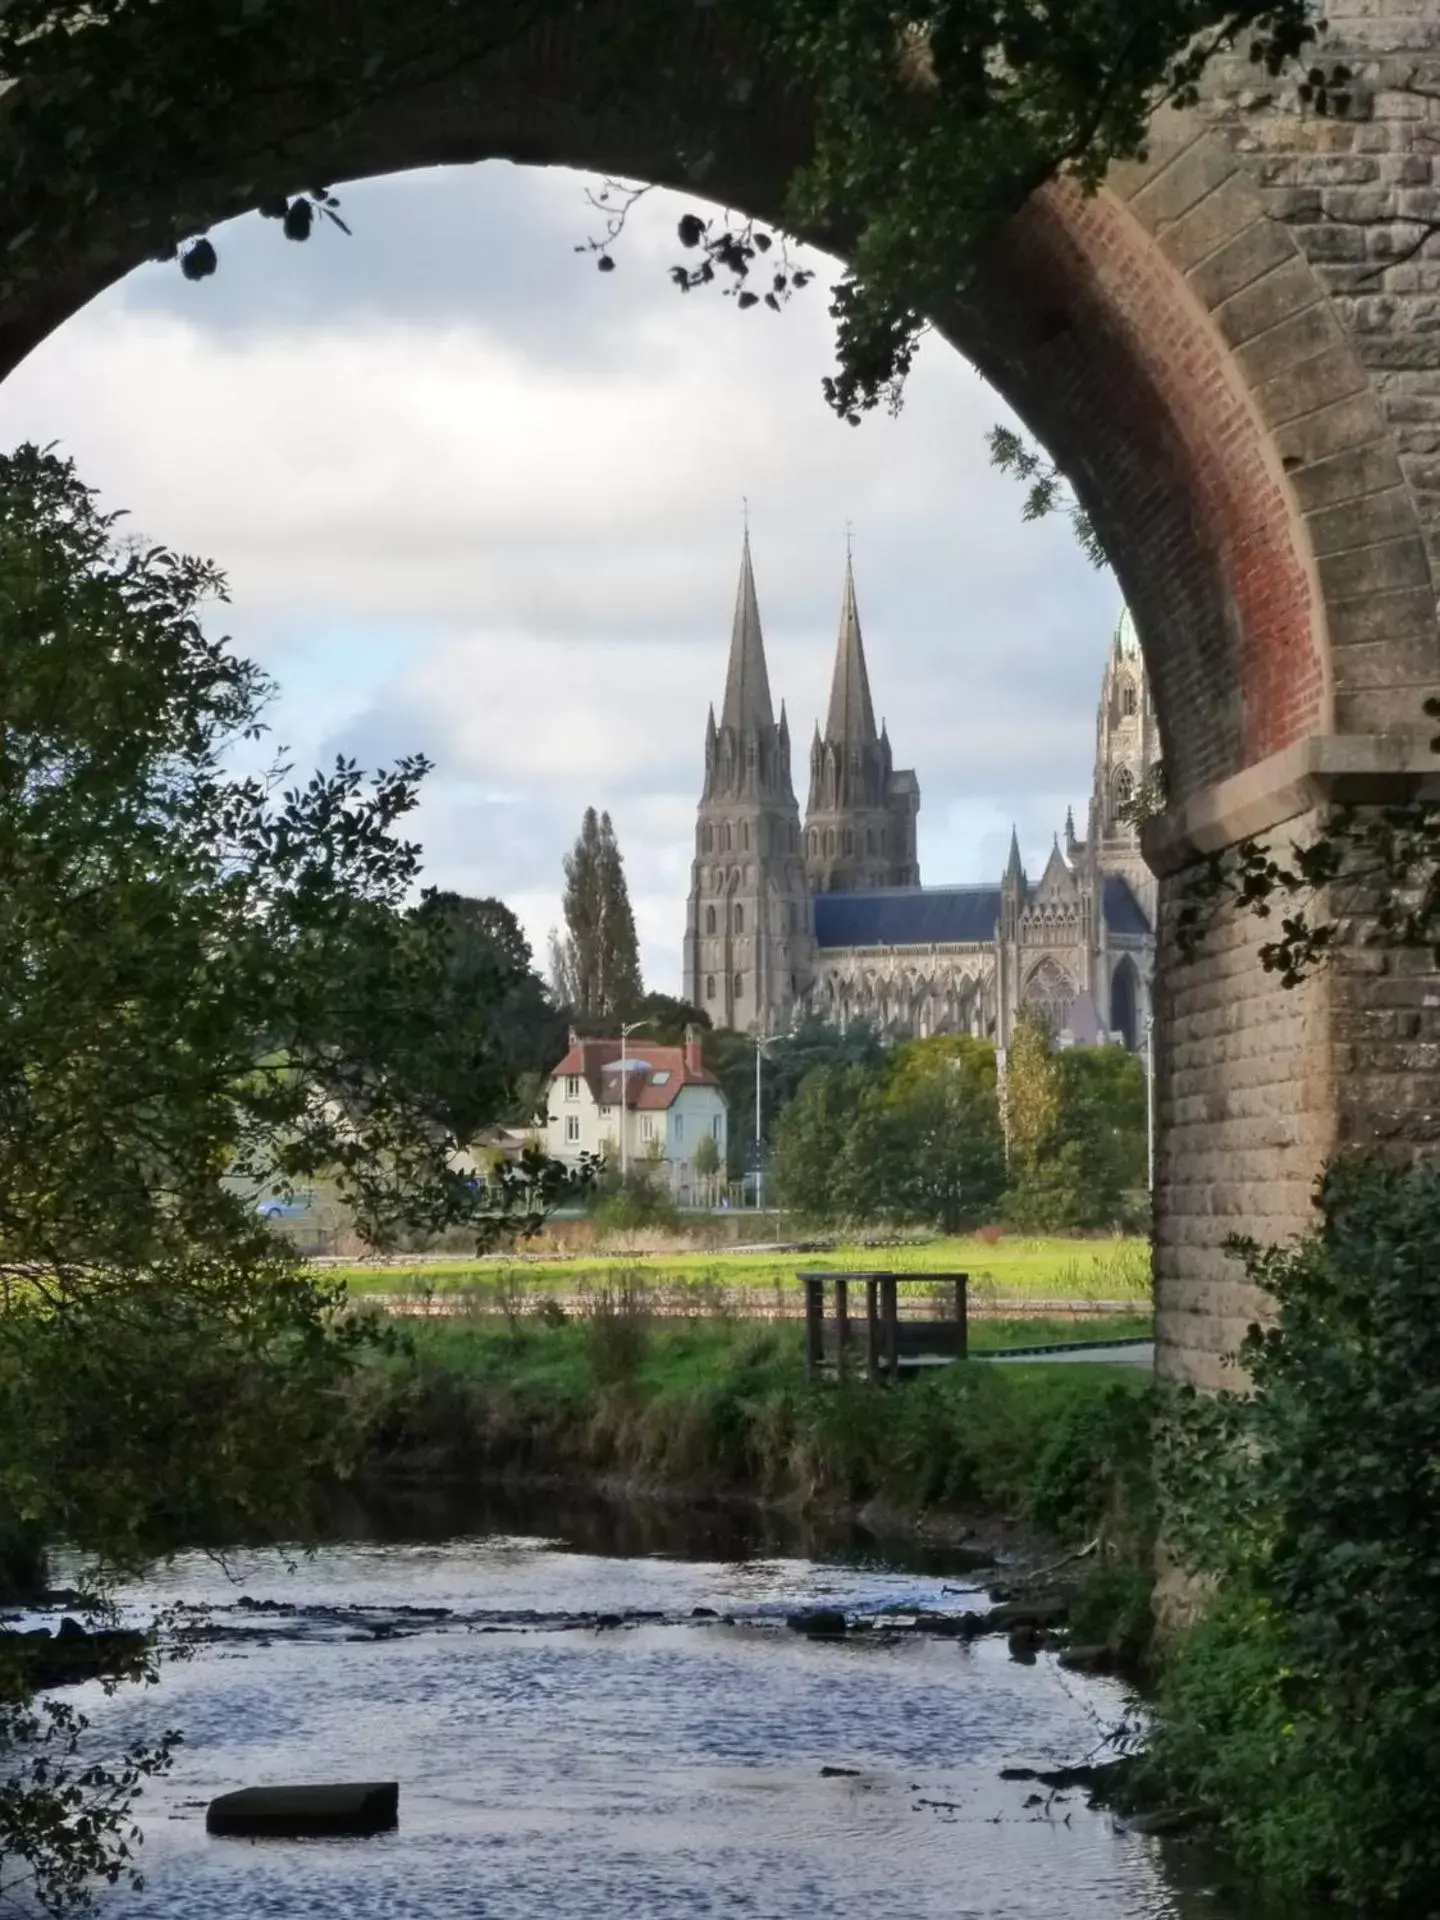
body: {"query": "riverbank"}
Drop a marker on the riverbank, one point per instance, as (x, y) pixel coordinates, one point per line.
(723, 1411)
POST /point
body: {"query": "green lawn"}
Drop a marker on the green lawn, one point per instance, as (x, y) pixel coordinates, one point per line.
(1015, 1268)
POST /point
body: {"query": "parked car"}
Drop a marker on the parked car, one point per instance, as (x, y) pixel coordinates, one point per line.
(277, 1207)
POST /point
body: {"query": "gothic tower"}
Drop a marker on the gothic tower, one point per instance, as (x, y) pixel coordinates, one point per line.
(749, 952)
(860, 822)
(1127, 746)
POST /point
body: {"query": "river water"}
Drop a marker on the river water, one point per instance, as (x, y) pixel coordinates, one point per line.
(556, 1766)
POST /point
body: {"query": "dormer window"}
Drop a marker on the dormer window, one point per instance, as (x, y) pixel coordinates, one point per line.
(572, 1086)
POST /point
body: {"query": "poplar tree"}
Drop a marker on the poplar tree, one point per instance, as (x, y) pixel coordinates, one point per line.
(595, 967)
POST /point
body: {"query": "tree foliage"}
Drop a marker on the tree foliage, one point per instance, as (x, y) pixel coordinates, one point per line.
(915, 1140)
(208, 985)
(923, 134)
(1303, 1709)
(596, 966)
(502, 1030)
(1047, 490)
(1077, 1120)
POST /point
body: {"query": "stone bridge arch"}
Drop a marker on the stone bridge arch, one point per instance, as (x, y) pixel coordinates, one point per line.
(1248, 400)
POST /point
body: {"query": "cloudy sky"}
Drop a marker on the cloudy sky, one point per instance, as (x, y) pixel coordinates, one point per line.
(477, 499)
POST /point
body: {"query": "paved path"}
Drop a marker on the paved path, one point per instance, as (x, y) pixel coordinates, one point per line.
(1136, 1353)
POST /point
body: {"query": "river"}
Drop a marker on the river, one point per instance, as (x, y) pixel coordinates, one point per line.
(554, 1766)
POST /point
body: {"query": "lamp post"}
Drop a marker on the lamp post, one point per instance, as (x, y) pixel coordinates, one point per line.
(625, 1033)
(1150, 1100)
(760, 1046)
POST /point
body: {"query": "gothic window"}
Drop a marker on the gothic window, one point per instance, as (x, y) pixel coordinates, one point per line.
(1051, 992)
(709, 986)
(725, 837)
(709, 842)
(739, 918)
(814, 842)
(1123, 789)
(849, 841)
(739, 986)
(870, 840)
(709, 919)
(830, 843)
(1127, 697)
(745, 835)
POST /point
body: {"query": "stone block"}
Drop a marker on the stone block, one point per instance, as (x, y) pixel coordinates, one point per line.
(1346, 476)
(1258, 250)
(1326, 377)
(1386, 515)
(1382, 568)
(1291, 341)
(355, 1808)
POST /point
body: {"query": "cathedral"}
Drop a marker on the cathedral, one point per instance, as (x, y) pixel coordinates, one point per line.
(832, 919)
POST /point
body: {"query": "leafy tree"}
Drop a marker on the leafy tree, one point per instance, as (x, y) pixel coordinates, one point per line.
(706, 1160)
(1076, 1122)
(1302, 1709)
(788, 1059)
(596, 967)
(668, 1018)
(920, 135)
(944, 1162)
(501, 1031)
(207, 982)
(825, 1142)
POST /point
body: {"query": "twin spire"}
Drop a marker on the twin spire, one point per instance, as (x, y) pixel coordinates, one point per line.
(851, 716)
(747, 684)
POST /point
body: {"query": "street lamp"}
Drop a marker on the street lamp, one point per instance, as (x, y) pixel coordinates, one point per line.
(760, 1046)
(625, 1033)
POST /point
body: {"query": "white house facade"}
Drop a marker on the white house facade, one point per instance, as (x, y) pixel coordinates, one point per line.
(665, 1098)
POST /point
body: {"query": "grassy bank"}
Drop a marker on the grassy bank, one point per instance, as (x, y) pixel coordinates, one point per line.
(724, 1408)
(1018, 1267)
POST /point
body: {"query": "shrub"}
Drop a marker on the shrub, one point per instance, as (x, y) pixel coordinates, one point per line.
(1303, 1708)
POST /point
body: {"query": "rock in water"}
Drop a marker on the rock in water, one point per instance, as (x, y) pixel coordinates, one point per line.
(288, 1813)
(818, 1623)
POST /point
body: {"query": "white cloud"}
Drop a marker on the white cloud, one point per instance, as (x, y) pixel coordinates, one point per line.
(494, 515)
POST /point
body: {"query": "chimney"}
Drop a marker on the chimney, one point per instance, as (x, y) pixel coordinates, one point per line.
(694, 1050)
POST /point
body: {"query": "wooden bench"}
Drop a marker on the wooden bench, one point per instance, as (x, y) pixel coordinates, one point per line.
(891, 1345)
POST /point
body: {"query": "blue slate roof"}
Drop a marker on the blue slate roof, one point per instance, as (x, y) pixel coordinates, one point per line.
(1123, 912)
(906, 916)
(943, 916)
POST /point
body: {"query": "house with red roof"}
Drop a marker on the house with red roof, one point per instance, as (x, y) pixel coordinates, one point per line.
(665, 1099)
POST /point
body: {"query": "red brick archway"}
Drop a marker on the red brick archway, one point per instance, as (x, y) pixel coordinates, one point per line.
(1255, 433)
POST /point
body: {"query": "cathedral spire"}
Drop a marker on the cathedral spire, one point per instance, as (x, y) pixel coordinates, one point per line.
(1013, 868)
(747, 684)
(852, 716)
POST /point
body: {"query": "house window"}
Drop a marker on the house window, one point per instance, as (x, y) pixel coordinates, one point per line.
(572, 1086)
(715, 1128)
(572, 1126)
(647, 1126)
(739, 919)
(709, 919)
(739, 986)
(709, 986)
(679, 1127)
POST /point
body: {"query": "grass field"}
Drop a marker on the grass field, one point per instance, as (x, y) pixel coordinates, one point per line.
(1007, 1269)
